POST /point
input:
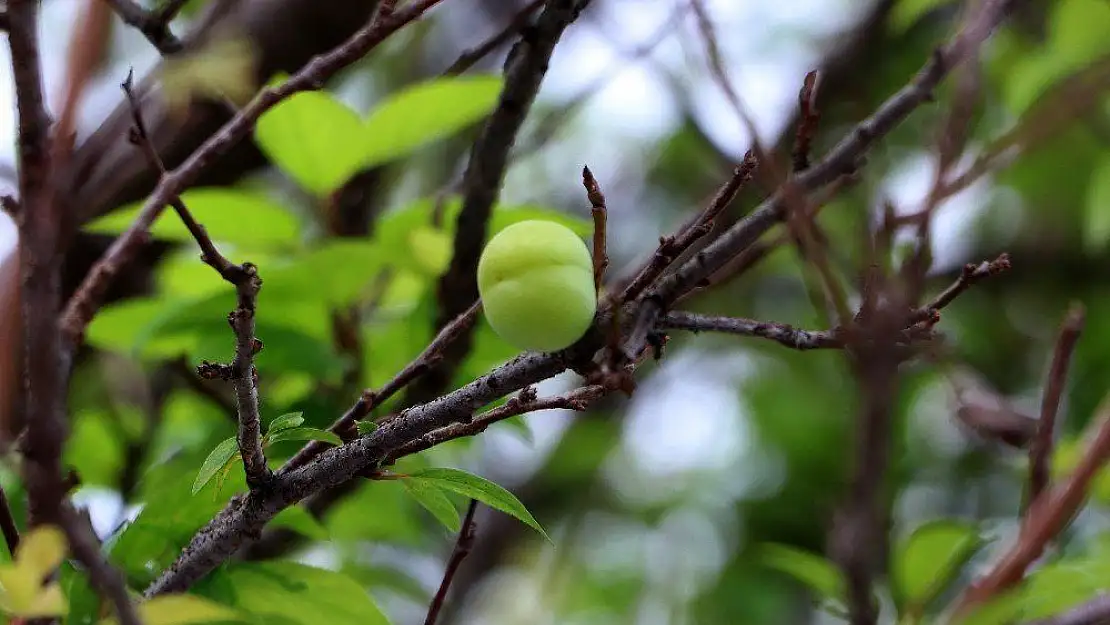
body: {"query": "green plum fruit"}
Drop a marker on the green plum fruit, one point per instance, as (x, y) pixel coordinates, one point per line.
(536, 282)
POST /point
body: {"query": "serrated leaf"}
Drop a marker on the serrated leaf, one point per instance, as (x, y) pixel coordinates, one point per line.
(244, 217)
(366, 427)
(315, 139)
(285, 421)
(305, 434)
(481, 489)
(427, 494)
(426, 112)
(220, 456)
(816, 572)
(301, 521)
(182, 610)
(928, 560)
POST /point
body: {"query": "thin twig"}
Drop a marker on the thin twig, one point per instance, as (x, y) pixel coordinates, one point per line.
(86, 300)
(807, 123)
(1045, 517)
(462, 548)
(426, 361)
(469, 57)
(670, 248)
(971, 274)
(780, 333)
(599, 213)
(7, 524)
(1040, 451)
(105, 577)
(247, 284)
(525, 402)
(153, 24)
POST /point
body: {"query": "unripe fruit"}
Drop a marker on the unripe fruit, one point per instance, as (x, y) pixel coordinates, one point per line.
(537, 285)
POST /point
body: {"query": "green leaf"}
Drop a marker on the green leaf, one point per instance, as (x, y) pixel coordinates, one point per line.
(301, 521)
(182, 610)
(285, 421)
(218, 459)
(119, 326)
(906, 13)
(816, 572)
(435, 501)
(426, 112)
(288, 592)
(305, 434)
(315, 139)
(366, 427)
(1097, 233)
(929, 560)
(243, 217)
(481, 489)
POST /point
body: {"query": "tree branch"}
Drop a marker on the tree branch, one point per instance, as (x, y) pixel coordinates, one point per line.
(44, 381)
(153, 24)
(247, 284)
(1040, 451)
(462, 549)
(83, 305)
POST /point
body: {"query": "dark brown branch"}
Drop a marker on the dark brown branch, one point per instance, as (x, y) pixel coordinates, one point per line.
(525, 402)
(8, 525)
(670, 248)
(1040, 451)
(525, 68)
(105, 577)
(971, 274)
(426, 361)
(247, 284)
(83, 305)
(44, 379)
(468, 58)
(462, 549)
(807, 122)
(780, 333)
(154, 25)
(600, 214)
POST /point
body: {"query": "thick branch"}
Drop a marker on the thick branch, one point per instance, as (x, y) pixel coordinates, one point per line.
(44, 382)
